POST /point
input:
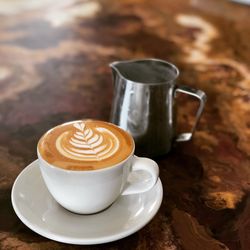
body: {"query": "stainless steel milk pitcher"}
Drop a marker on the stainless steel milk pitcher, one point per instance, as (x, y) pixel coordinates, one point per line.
(144, 103)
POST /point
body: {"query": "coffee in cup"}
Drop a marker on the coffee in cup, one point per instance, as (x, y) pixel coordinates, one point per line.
(85, 145)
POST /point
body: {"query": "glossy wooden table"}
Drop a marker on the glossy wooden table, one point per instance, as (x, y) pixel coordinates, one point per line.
(54, 58)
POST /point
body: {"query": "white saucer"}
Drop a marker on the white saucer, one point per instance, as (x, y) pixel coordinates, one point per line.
(37, 209)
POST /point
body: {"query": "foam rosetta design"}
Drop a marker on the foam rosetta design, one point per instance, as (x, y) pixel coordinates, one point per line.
(85, 143)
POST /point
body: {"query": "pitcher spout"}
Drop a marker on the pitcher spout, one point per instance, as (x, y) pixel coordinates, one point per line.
(113, 65)
(115, 69)
(124, 69)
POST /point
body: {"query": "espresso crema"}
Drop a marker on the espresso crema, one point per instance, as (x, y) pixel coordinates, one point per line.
(85, 145)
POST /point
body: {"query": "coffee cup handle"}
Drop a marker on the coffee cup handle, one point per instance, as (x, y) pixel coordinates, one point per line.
(202, 98)
(138, 182)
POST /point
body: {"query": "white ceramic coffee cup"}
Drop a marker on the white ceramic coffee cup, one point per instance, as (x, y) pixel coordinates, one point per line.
(91, 191)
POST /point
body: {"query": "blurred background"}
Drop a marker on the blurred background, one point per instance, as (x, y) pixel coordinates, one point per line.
(54, 58)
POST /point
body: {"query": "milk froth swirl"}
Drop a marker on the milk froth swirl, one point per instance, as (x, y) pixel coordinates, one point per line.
(87, 144)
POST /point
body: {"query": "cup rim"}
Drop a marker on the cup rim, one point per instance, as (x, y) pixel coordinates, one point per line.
(106, 168)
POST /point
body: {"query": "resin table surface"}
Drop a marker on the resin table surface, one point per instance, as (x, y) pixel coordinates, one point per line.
(54, 68)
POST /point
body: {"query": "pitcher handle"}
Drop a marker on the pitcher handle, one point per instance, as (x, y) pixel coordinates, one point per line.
(202, 98)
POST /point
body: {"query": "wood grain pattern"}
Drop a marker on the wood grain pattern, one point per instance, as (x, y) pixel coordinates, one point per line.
(54, 68)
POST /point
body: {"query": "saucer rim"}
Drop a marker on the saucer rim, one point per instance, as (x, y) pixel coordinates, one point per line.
(80, 241)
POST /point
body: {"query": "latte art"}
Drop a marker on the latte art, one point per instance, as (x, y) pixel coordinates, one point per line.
(87, 144)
